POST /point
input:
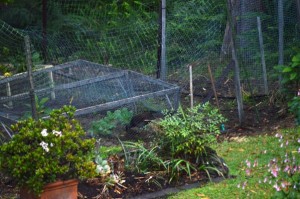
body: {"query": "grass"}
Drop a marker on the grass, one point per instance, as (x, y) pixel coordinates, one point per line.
(262, 148)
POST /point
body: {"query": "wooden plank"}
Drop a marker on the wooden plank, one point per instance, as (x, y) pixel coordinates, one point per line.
(114, 104)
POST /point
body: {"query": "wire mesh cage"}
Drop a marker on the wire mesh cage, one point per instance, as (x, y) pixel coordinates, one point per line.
(90, 87)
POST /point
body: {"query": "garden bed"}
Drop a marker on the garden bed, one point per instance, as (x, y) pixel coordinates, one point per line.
(137, 185)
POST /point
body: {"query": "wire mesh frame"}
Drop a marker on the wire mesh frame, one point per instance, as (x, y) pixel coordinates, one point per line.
(101, 88)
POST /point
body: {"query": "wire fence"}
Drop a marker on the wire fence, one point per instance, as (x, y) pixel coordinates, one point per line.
(125, 35)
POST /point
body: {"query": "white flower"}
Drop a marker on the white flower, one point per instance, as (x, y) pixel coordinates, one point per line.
(57, 133)
(44, 132)
(44, 145)
(99, 169)
(46, 149)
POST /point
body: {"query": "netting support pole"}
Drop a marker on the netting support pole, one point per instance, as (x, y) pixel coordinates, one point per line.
(262, 55)
(191, 85)
(213, 85)
(51, 81)
(44, 30)
(8, 92)
(29, 70)
(280, 34)
(162, 68)
(237, 82)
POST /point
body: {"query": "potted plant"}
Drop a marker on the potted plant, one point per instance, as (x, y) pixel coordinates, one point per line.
(47, 151)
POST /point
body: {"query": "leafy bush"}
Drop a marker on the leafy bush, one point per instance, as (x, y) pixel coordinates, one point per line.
(181, 145)
(106, 125)
(290, 80)
(44, 151)
(187, 133)
(41, 108)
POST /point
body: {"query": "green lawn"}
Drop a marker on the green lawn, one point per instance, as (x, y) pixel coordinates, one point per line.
(261, 148)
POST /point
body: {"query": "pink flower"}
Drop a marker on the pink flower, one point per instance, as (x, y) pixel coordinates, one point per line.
(274, 171)
(287, 169)
(295, 169)
(244, 185)
(248, 172)
(248, 163)
(299, 92)
(285, 184)
(255, 164)
(277, 187)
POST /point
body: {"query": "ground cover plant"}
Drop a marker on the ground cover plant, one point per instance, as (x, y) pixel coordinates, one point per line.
(265, 166)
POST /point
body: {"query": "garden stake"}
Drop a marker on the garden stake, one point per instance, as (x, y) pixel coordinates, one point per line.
(213, 85)
(30, 78)
(191, 85)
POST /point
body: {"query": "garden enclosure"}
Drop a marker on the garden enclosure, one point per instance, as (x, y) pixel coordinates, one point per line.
(90, 87)
(125, 34)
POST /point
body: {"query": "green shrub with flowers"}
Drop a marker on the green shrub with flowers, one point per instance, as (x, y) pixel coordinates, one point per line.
(48, 150)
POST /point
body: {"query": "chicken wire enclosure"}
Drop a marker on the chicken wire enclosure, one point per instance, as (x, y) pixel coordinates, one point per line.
(88, 86)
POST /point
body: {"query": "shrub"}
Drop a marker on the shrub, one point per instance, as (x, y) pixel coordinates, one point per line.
(45, 151)
(290, 80)
(187, 133)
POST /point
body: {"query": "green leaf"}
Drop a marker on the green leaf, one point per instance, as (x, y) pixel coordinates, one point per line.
(287, 69)
(293, 76)
(296, 58)
(43, 100)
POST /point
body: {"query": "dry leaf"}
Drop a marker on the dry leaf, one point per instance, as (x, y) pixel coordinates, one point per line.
(202, 196)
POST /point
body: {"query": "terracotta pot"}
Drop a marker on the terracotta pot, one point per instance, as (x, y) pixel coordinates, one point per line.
(56, 190)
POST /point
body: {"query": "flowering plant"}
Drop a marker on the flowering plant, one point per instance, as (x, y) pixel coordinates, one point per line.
(48, 150)
(282, 171)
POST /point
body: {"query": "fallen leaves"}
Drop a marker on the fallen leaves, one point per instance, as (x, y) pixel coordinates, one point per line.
(202, 196)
